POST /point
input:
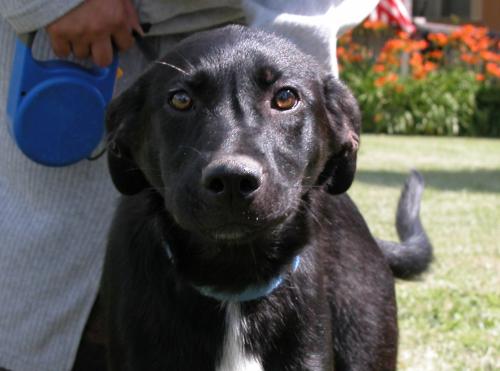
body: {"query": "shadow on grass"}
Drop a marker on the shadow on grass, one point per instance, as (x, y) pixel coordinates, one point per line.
(474, 180)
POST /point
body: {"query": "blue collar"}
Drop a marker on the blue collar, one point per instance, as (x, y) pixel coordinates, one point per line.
(250, 293)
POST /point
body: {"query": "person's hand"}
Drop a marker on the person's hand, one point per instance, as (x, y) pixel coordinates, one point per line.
(91, 29)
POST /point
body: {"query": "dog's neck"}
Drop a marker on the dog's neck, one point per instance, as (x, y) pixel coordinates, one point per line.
(252, 292)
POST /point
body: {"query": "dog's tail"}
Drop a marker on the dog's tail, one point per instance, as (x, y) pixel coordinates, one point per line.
(413, 254)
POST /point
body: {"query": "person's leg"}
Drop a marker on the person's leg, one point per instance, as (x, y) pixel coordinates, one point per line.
(53, 223)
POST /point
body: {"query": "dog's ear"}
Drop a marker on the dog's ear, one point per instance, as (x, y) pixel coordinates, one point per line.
(344, 121)
(124, 129)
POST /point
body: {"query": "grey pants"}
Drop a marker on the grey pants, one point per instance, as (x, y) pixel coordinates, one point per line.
(53, 225)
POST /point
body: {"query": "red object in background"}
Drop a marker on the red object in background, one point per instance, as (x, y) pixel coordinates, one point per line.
(394, 12)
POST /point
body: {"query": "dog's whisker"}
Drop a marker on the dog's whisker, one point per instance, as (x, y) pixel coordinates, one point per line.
(172, 66)
(254, 257)
(186, 60)
(306, 188)
(201, 154)
(308, 210)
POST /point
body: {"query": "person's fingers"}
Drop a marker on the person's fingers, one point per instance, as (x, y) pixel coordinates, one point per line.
(102, 52)
(123, 39)
(83, 29)
(132, 17)
(80, 49)
(60, 46)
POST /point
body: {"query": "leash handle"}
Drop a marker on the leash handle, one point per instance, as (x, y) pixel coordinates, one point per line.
(55, 107)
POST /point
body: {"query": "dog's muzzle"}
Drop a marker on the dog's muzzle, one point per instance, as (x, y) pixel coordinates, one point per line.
(232, 181)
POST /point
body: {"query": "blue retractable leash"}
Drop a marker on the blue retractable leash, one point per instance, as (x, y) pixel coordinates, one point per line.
(56, 108)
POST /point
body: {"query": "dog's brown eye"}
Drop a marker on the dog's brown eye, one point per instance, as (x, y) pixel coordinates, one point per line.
(285, 99)
(180, 100)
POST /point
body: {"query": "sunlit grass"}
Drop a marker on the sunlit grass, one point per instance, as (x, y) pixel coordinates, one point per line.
(450, 320)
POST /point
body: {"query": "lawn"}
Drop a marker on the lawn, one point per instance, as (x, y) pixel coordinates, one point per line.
(450, 319)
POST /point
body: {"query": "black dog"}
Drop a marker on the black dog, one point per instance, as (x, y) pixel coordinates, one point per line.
(235, 247)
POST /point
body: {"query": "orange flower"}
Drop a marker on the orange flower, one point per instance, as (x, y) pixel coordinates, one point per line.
(346, 38)
(379, 82)
(439, 39)
(416, 59)
(395, 45)
(430, 66)
(479, 32)
(436, 54)
(388, 59)
(392, 77)
(477, 45)
(403, 35)
(475, 39)
(387, 79)
(418, 45)
(490, 56)
(469, 58)
(419, 75)
(356, 58)
(493, 69)
(352, 52)
(379, 68)
(469, 31)
(374, 25)
(399, 88)
(479, 77)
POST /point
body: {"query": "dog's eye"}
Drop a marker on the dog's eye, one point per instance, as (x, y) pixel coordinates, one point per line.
(180, 100)
(285, 99)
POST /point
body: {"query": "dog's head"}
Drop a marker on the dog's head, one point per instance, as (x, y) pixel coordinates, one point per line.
(233, 127)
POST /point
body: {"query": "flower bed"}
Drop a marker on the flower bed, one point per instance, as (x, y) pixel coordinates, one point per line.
(441, 84)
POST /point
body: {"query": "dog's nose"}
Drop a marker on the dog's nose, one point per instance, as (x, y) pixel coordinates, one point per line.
(237, 177)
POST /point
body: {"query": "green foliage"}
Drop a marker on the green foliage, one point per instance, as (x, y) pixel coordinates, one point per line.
(444, 103)
(445, 84)
(487, 114)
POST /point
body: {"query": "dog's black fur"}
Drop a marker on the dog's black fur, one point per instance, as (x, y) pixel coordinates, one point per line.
(236, 186)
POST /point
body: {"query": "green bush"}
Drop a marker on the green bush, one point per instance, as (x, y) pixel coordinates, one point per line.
(444, 103)
(443, 85)
(487, 114)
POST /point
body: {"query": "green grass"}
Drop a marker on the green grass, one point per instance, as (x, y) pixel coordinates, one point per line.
(450, 319)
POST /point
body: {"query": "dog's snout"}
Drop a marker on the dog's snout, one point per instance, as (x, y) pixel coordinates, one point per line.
(236, 177)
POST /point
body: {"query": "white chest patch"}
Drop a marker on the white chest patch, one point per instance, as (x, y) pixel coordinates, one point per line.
(234, 357)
